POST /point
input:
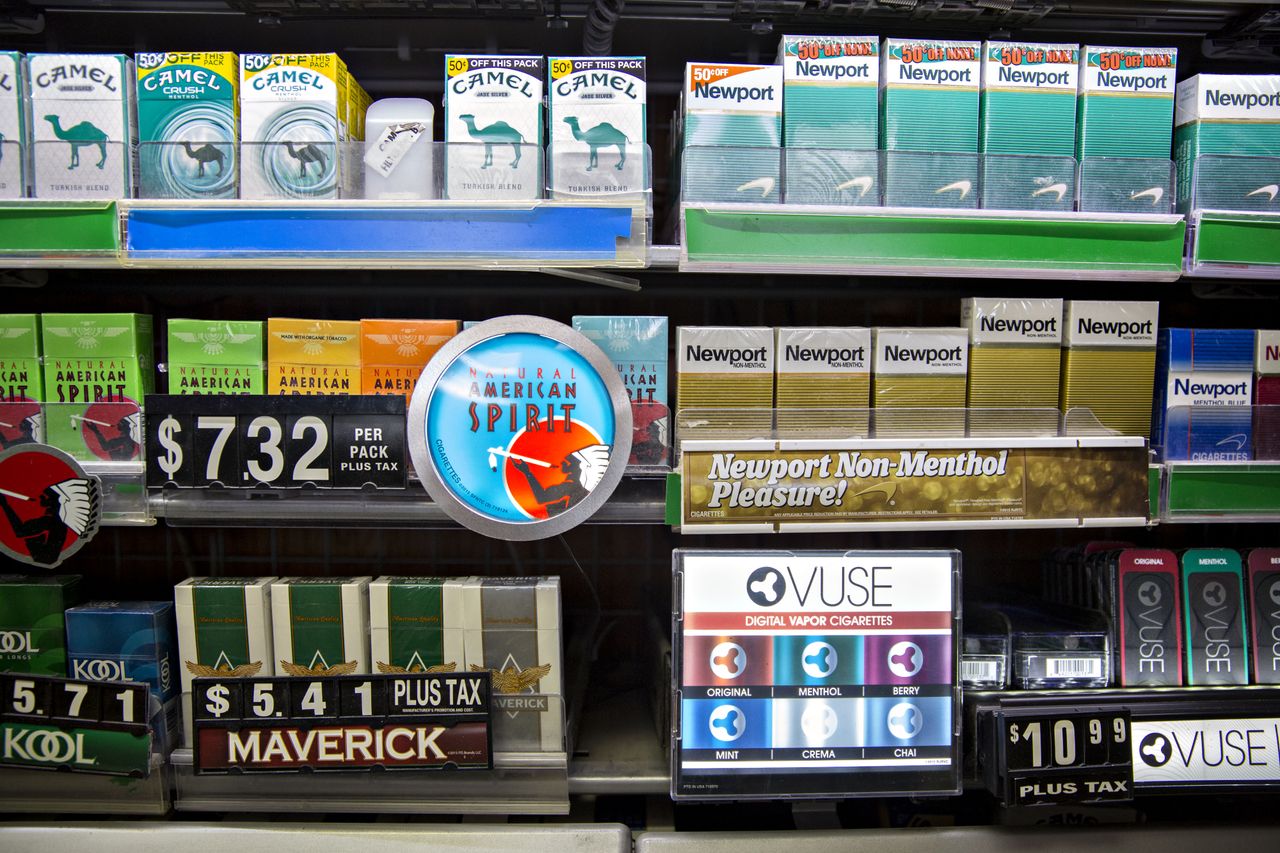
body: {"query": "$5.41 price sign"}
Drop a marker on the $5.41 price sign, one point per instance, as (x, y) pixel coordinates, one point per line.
(245, 441)
(1042, 756)
(84, 726)
(345, 722)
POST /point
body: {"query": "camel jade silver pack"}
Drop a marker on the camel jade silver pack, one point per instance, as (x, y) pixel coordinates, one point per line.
(83, 125)
(597, 125)
(188, 116)
(493, 127)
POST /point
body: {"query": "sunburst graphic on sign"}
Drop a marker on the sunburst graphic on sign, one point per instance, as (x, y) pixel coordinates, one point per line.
(546, 473)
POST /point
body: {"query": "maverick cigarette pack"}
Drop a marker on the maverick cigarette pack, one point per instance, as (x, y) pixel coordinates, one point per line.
(726, 374)
(13, 126)
(394, 352)
(416, 624)
(1144, 600)
(1214, 610)
(1266, 396)
(929, 103)
(216, 357)
(97, 369)
(1015, 358)
(1264, 614)
(732, 129)
(597, 125)
(188, 123)
(637, 346)
(919, 368)
(1204, 394)
(313, 356)
(1229, 115)
(823, 383)
(1108, 362)
(494, 105)
(82, 125)
(320, 626)
(32, 622)
(21, 380)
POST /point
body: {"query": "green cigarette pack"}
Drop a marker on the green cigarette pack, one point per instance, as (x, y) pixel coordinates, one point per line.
(33, 635)
(216, 357)
(20, 375)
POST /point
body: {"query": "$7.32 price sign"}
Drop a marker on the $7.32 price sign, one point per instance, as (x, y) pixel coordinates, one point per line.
(243, 441)
(1044, 756)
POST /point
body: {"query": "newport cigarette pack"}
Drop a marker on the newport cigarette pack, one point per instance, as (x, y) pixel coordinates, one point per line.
(919, 368)
(725, 374)
(416, 624)
(1214, 609)
(732, 130)
(216, 357)
(13, 126)
(320, 626)
(1266, 396)
(188, 124)
(1109, 362)
(1227, 115)
(637, 346)
(83, 127)
(493, 124)
(1015, 357)
(597, 125)
(393, 352)
(313, 356)
(97, 369)
(32, 623)
(1204, 394)
(823, 382)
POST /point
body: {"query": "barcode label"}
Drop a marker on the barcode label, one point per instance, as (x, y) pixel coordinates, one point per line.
(1073, 668)
(979, 671)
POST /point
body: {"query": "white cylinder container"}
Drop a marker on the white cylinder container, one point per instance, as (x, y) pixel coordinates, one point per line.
(412, 175)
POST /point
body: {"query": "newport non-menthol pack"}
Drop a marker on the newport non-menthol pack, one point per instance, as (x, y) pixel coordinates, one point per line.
(726, 375)
(82, 125)
(13, 126)
(1109, 363)
(919, 368)
(823, 383)
(188, 124)
(493, 124)
(732, 128)
(1225, 116)
(596, 124)
(1015, 356)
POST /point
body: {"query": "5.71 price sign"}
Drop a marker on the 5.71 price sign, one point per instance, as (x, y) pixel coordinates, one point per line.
(246, 441)
(1039, 756)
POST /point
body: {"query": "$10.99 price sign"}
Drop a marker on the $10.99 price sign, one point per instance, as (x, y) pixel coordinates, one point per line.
(245, 441)
(344, 722)
(1043, 757)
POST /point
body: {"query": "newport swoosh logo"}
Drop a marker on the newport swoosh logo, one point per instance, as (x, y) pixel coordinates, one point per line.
(765, 185)
(1155, 194)
(886, 489)
(862, 182)
(1270, 191)
(1238, 440)
(1059, 190)
(962, 186)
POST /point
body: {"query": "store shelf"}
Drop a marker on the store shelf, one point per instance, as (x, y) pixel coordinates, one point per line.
(55, 792)
(125, 502)
(51, 234)
(618, 751)
(1234, 244)
(1213, 491)
(310, 837)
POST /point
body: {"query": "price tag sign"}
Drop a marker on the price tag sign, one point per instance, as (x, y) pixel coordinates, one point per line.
(1042, 757)
(84, 726)
(349, 722)
(248, 441)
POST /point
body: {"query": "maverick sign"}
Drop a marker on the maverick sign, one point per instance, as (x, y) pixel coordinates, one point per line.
(520, 428)
(738, 487)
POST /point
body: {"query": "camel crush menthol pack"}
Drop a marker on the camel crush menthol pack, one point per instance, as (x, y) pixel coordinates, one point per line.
(82, 120)
(13, 126)
(494, 105)
(188, 111)
(597, 125)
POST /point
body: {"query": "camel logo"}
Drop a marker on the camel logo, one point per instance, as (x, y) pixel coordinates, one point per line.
(212, 340)
(1270, 191)
(87, 334)
(962, 187)
(1214, 594)
(1155, 750)
(765, 586)
(84, 134)
(727, 723)
(905, 659)
(819, 659)
(1149, 593)
(728, 660)
(904, 720)
(819, 722)
(498, 133)
(603, 135)
(204, 155)
(51, 507)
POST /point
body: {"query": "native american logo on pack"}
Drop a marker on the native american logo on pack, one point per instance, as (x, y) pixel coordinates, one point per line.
(520, 427)
(941, 63)
(51, 507)
(215, 338)
(1149, 606)
(1150, 71)
(1111, 324)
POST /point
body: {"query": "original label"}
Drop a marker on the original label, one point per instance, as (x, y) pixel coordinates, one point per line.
(1111, 324)
(1200, 752)
(942, 352)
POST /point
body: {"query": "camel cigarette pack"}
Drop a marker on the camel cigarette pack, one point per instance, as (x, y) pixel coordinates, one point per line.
(1214, 608)
(1233, 115)
(1264, 614)
(1015, 356)
(13, 127)
(823, 382)
(294, 117)
(97, 369)
(32, 622)
(394, 352)
(1203, 408)
(637, 346)
(732, 129)
(1109, 362)
(21, 378)
(1146, 608)
(415, 624)
(512, 627)
(313, 356)
(919, 368)
(929, 103)
(1266, 396)
(83, 126)
(493, 104)
(188, 123)
(597, 123)
(216, 357)
(129, 641)
(321, 625)
(726, 375)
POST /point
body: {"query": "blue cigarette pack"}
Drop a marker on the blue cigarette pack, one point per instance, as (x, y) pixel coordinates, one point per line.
(1204, 394)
